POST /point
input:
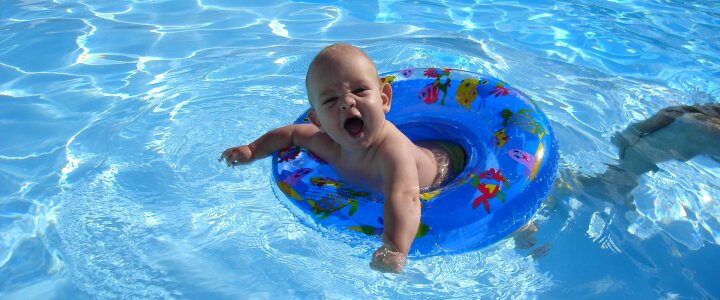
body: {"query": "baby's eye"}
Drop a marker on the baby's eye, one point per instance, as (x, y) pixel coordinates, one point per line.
(360, 90)
(329, 100)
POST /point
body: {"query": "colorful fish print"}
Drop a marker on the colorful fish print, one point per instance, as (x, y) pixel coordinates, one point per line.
(429, 195)
(423, 229)
(324, 181)
(429, 93)
(316, 158)
(305, 118)
(288, 154)
(437, 86)
(499, 90)
(523, 120)
(369, 229)
(407, 73)
(488, 184)
(352, 193)
(531, 162)
(500, 138)
(388, 79)
(524, 158)
(291, 191)
(433, 73)
(294, 177)
(291, 183)
(332, 203)
(467, 92)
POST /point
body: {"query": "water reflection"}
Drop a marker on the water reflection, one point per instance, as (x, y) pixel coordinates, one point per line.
(675, 200)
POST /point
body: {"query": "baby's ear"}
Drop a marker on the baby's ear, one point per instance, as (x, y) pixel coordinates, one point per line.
(386, 95)
(314, 119)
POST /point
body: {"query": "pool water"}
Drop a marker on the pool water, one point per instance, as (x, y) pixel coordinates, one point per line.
(113, 115)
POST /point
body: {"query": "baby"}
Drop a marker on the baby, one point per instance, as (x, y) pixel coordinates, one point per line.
(350, 132)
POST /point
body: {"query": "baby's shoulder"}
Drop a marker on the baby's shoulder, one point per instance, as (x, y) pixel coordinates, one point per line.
(315, 140)
(397, 150)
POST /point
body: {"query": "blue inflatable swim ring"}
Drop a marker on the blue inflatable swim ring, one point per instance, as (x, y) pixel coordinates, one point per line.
(511, 161)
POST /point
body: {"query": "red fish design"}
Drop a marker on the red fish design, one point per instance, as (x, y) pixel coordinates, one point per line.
(489, 190)
(430, 93)
(288, 154)
(499, 90)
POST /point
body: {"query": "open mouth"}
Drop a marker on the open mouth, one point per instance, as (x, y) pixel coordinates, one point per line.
(354, 126)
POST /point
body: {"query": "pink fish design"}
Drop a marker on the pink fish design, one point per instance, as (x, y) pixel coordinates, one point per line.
(294, 177)
(524, 158)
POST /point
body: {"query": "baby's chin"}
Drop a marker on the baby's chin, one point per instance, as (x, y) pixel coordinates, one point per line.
(362, 142)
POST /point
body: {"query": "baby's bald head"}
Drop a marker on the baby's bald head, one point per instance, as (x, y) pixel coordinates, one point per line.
(334, 54)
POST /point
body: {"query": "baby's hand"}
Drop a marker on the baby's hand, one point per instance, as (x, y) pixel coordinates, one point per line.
(236, 155)
(387, 260)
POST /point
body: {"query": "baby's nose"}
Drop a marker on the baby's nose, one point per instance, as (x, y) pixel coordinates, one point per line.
(347, 102)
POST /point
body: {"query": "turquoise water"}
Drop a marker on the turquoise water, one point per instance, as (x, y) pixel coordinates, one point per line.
(113, 113)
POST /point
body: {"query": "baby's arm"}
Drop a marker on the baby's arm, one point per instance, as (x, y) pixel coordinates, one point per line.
(401, 210)
(302, 135)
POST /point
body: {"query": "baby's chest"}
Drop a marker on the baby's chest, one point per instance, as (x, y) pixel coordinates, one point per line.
(359, 174)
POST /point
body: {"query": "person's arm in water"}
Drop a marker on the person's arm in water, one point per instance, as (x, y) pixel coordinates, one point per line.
(661, 119)
(302, 135)
(401, 210)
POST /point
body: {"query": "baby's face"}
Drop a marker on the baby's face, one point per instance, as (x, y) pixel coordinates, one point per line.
(348, 100)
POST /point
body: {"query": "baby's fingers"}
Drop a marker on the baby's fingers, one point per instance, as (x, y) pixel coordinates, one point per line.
(227, 157)
(387, 261)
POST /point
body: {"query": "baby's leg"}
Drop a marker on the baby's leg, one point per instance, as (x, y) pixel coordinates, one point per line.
(450, 160)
